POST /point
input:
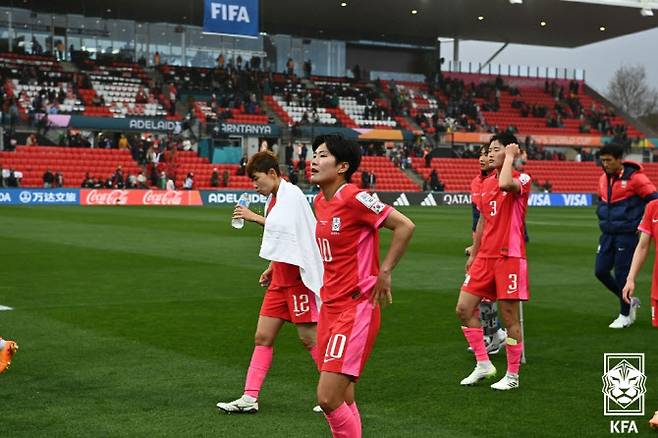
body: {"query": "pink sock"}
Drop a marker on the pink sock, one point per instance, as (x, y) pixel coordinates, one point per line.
(514, 357)
(314, 354)
(258, 368)
(475, 338)
(357, 416)
(342, 423)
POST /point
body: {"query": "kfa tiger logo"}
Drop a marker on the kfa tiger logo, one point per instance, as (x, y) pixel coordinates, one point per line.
(624, 384)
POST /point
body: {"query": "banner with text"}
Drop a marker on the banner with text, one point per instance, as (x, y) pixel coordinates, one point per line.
(231, 17)
(39, 196)
(140, 197)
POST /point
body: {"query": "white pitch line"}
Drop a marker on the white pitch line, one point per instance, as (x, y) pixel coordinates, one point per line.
(2, 308)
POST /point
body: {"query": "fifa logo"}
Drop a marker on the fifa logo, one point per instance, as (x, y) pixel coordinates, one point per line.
(624, 384)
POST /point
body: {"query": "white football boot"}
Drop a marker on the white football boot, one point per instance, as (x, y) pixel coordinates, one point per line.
(510, 381)
(483, 370)
(243, 405)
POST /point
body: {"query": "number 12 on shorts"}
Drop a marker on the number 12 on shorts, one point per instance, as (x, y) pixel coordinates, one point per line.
(335, 347)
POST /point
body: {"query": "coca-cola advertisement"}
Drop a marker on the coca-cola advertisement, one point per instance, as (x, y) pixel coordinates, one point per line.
(140, 197)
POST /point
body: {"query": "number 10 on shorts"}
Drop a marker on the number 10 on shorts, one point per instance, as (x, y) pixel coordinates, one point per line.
(335, 347)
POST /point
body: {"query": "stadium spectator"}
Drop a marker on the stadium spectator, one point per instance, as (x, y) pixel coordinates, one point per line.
(188, 183)
(123, 142)
(243, 165)
(170, 184)
(141, 180)
(225, 178)
(59, 179)
(623, 191)
(48, 179)
(214, 178)
(118, 180)
(293, 277)
(351, 298)
(4, 175)
(87, 182)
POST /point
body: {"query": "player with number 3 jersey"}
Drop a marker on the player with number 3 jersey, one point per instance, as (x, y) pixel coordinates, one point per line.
(354, 285)
(496, 268)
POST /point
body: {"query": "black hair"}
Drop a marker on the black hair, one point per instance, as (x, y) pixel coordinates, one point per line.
(484, 148)
(342, 149)
(614, 149)
(504, 138)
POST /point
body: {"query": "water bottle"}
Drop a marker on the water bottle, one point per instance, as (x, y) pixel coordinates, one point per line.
(243, 201)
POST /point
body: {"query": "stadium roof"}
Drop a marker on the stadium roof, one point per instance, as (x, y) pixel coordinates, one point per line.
(568, 24)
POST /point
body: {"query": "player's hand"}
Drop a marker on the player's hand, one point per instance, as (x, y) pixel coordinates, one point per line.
(628, 291)
(469, 262)
(468, 250)
(381, 293)
(242, 212)
(512, 150)
(266, 277)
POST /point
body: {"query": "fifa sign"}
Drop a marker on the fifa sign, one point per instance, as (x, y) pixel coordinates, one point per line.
(231, 17)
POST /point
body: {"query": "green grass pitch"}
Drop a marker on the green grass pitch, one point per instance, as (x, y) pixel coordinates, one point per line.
(136, 321)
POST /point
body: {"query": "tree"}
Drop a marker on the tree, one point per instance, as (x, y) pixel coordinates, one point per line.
(629, 90)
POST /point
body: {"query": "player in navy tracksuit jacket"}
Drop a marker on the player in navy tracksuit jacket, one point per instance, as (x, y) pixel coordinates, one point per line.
(624, 190)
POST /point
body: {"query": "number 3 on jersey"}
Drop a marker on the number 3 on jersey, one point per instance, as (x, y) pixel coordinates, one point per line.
(492, 204)
(325, 249)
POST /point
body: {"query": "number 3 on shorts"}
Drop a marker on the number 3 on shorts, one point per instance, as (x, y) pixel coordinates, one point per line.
(514, 283)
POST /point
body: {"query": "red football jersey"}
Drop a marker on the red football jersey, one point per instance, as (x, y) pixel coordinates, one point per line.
(283, 274)
(347, 234)
(649, 225)
(504, 216)
(476, 188)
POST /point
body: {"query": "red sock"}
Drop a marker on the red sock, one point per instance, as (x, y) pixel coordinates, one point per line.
(475, 338)
(342, 423)
(357, 415)
(261, 360)
(514, 357)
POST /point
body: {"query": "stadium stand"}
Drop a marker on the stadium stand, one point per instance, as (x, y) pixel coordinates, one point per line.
(564, 176)
(388, 176)
(73, 163)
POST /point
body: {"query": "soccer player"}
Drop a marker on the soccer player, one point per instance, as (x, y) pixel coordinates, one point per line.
(648, 230)
(497, 267)
(293, 278)
(494, 334)
(7, 351)
(624, 190)
(354, 287)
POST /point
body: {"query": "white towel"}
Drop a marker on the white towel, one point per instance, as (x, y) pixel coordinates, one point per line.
(289, 235)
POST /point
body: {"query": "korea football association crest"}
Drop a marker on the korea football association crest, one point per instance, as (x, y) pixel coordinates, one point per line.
(335, 225)
(624, 384)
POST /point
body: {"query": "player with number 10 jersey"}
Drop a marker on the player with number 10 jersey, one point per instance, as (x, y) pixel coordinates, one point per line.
(347, 233)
